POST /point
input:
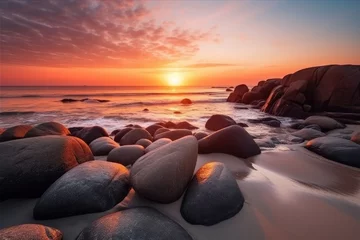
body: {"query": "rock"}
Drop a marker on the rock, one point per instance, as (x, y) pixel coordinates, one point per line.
(89, 134)
(242, 124)
(162, 175)
(145, 110)
(297, 125)
(2, 130)
(186, 101)
(233, 140)
(252, 96)
(47, 128)
(213, 196)
(29, 166)
(307, 107)
(308, 133)
(173, 134)
(88, 100)
(68, 100)
(336, 149)
(122, 133)
(74, 130)
(161, 130)
(219, 121)
(102, 146)
(158, 143)
(325, 123)
(229, 90)
(270, 121)
(126, 155)
(356, 138)
(238, 93)
(144, 142)
(134, 224)
(313, 126)
(116, 131)
(185, 125)
(200, 135)
(177, 112)
(260, 104)
(241, 108)
(106, 185)
(264, 143)
(30, 232)
(15, 132)
(135, 135)
(170, 124)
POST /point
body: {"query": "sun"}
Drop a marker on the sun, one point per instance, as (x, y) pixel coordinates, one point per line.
(174, 79)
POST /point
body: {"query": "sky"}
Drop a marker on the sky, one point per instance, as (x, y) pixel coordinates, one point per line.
(195, 43)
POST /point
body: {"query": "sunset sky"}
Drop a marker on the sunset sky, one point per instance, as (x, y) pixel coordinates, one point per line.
(202, 43)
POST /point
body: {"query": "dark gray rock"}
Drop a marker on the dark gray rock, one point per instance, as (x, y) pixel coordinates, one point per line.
(144, 142)
(89, 134)
(325, 123)
(264, 143)
(313, 126)
(121, 133)
(219, 121)
(162, 175)
(232, 140)
(102, 146)
(200, 135)
(158, 143)
(16, 132)
(270, 121)
(30, 232)
(134, 224)
(212, 196)
(185, 125)
(126, 155)
(135, 135)
(336, 149)
(94, 186)
(308, 133)
(173, 134)
(356, 138)
(29, 166)
(161, 130)
(152, 128)
(47, 128)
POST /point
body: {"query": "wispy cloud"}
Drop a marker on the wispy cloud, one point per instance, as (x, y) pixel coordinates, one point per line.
(210, 65)
(91, 33)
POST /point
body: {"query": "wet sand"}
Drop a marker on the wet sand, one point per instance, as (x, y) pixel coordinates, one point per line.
(291, 194)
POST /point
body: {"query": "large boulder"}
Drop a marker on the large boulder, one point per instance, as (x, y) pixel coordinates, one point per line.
(238, 93)
(134, 224)
(219, 121)
(308, 134)
(212, 196)
(162, 175)
(89, 134)
(250, 97)
(30, 232)
(200, 135)
(233, 140)
(152, 128)
(126, 155)
(94, 186)
(185, 125)
(173, 134)
(325, 123)
(336, 149)
(158, 143)
(48, 128)
(102, 146)
(144, 142)
(119, 135)
(29, 166)
(15, 132)
(135, 135)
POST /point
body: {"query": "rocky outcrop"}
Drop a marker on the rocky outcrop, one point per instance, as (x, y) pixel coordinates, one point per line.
(30, 232)
(135, 223)
(238, 93)
(29, 166)
(261, 91)
(332, 88)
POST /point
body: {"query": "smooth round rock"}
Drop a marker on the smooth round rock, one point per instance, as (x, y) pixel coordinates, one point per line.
(89, 134)
(102, 146)
(30, 232)
(16, 132)
(173, 134)
(126, 155)
(325, 123)
(186, 101)
(161, 130)
(219, 121)
(47, 128)
(122, 133)
(29, 166)
(336, 149)
(135, 135)
(308, 133)
(185, 125)
(158, 143)
(152, 128)
(213, 196)
(313, 126)
(162, 175)
(134, 224)
(144, 142)
(233, 140)
(356, 138)
(94, 186)
(200, 135)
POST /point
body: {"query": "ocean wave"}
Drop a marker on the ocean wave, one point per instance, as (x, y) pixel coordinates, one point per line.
(89, 95)
(165, 102)
(16, 113)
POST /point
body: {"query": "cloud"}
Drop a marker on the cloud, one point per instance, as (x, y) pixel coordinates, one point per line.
(91, 33)
(208, 65)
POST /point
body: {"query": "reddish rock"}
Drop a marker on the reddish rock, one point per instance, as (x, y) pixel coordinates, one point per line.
(238, 93)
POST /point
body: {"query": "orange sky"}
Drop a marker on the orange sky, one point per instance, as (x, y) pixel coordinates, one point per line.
(138, 43)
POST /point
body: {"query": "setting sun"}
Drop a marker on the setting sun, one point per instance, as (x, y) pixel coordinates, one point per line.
(174, 79)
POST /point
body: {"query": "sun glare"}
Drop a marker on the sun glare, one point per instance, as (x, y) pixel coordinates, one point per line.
(174, 79)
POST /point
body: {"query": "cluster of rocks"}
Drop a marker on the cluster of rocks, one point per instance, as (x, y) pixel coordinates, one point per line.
(331, 88)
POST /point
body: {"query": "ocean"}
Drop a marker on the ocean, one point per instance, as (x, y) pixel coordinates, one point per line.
(34, 105)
